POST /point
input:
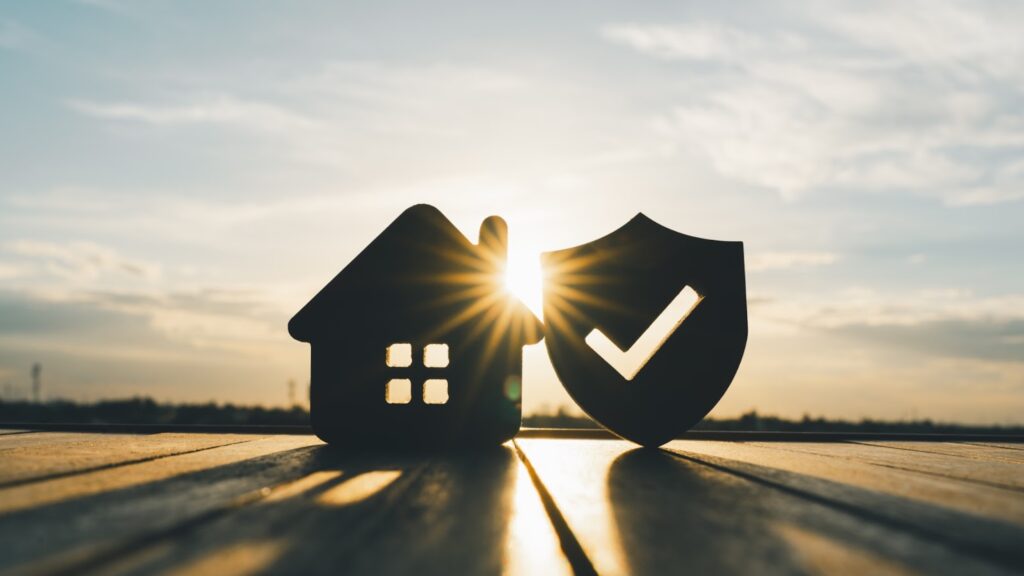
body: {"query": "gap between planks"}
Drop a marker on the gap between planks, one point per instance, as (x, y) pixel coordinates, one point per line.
(920, 468)
(104, 556)
(110, 465)
(571, 547)
(965, 547)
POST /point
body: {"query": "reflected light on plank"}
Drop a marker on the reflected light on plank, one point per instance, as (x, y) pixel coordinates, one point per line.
(236, 560)
(532, 546)
(576, 474)
(301, 485)
(120, 477)
(358, 488)
(822, 555)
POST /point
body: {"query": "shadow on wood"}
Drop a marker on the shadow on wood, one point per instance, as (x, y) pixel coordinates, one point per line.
(753, 520)
(308, 511)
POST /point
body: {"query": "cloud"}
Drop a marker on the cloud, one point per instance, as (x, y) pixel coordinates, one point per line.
(985, 339)
(98, 283)
(14, 35)
(302, 137)
(921, 98)
(190, 345)
(110, 5)
(348, 114)
(239, 322)
(860, 306)
(218, 110)
(697, 41)
(937, 322)
(789, 260)
(79, 261)
(8, 271)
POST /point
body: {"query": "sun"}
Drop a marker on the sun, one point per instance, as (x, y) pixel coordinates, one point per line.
(523, 278)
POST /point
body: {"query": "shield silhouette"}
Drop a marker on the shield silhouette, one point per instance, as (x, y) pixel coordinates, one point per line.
(619, 285)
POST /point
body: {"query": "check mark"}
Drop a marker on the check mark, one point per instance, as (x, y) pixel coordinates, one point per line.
(629, 362)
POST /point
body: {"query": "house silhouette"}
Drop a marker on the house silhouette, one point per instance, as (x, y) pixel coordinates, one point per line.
(416, 343)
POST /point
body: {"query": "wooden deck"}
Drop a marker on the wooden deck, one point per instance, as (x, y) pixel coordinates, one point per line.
(222, 503)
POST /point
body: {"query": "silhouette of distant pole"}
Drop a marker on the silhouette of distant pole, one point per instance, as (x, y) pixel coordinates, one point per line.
(37, 384)
(291, 393)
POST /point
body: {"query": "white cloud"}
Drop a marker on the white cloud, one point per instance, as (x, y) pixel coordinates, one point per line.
(966, 38)
(921, 97)
(232, 320)
(80, 261)
(224, 110)
(338, 113)
(303, 138)
(14, 35)
(111, 5)
(788, 260)
(869, 307)
(699, 41)
(8, 271)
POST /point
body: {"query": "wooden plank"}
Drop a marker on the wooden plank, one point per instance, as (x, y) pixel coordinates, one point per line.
(974, 520)
(999, 474)
(137, 428)
(89, 452)
(957, 449)
(375, 514)
(67, 522)
(1018, 446)
(965, 497)
(638, 511)
(41, 439)
(24, 496)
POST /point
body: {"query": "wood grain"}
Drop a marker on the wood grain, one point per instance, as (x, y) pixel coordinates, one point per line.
(50, 439)
(70, 520)
(959, 516)
(443, 514)
(941, 492)
(180, 503)
(89, 452)
(986, 471)
(647, 512)
(958, 449)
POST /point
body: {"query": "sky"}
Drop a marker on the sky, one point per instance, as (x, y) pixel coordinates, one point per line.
(178, 178)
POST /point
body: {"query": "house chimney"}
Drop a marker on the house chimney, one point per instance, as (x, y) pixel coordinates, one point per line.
(494, 237)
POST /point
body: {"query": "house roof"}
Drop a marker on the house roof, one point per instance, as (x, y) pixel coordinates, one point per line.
(420, 258)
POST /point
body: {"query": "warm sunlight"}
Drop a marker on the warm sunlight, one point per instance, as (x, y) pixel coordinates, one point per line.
(523, 277)
(358, 488)
(532, 544)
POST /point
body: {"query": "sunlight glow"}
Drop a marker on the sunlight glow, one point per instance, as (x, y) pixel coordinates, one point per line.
(239, 559)
(523, 278)
(302, 485)
(481, 309)
(532, 545)
(358, 488)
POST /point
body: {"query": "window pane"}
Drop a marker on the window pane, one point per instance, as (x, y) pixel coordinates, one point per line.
(398, 391)
(399, 355)
(435, 355)
(435, 391)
